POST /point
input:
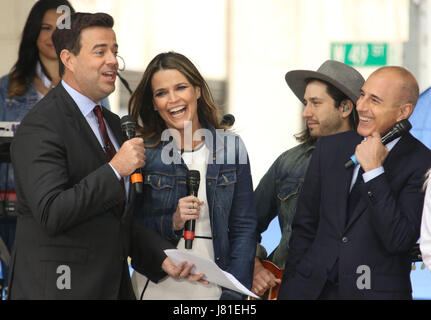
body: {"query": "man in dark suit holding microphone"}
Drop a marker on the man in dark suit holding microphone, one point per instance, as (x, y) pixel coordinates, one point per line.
(75, 229)
(354, 227)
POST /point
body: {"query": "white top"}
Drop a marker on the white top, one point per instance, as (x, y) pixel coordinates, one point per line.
(425, 239)
(170, 288)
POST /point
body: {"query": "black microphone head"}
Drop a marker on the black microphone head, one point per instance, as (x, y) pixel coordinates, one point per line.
(403, 126)
(193, 179)
(127, 120)
(228, 120)
(128, 125)
(398, 130)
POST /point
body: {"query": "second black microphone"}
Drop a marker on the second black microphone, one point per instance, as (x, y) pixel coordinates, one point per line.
(193, 179)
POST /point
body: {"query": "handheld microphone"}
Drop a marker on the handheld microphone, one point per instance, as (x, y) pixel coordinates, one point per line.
(398, 130)
(128, 125)
(228, 120)
(192, 181)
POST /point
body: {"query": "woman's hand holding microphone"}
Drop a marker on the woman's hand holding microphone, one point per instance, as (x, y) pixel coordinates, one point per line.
(188, 208)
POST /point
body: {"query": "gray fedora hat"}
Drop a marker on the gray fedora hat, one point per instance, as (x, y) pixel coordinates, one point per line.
(345, 78)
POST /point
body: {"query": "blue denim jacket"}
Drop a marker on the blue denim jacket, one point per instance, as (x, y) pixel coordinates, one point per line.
(230, 200)
(13, 110)
(277, 195)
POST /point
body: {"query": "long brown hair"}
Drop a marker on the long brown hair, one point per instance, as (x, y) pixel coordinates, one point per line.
(24, 70)
(149, 123)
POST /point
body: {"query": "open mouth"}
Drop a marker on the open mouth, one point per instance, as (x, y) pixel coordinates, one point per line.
(110, 75)
(365, 120)
(178, 112)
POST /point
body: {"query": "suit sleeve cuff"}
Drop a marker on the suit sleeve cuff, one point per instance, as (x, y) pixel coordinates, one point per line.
(115, 171)
(367, 176)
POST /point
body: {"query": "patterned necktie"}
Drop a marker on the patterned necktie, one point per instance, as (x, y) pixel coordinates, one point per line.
(108, 146)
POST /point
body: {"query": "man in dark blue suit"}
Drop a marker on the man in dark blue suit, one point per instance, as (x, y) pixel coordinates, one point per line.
(354, 228)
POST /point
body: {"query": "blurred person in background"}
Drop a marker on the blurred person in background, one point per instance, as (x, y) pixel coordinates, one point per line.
(33, 75)
(174, 99)
(329, 96)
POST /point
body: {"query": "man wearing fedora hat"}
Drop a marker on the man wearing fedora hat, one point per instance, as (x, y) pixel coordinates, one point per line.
(329, 96)
(355, 226)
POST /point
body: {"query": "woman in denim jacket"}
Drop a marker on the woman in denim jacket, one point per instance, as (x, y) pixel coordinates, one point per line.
(178, 120)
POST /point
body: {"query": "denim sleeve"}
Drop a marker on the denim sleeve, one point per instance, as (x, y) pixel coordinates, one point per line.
(161, 223)
(242, 227)
(266, 204)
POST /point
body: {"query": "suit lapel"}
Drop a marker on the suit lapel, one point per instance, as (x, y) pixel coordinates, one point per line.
(345, 178)
(85, 134)
(83, 129)
(343, 194)
(402, 147)
(113, 123)
(360, 208)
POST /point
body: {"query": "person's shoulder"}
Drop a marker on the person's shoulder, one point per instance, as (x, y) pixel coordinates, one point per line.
(4, 86)
(49, 106)
(339, 141)
(4, 81)
(293, 159)
(341, 136)
(296, 151)
(420, 147)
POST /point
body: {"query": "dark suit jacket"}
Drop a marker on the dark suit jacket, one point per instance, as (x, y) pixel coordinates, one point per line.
(70, 210)
(383, 228)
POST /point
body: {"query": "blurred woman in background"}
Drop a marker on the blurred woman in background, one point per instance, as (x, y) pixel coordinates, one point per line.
(33, 75)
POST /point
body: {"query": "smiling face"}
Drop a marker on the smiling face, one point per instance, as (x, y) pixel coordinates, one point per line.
(94, 68)
(321, 115)
(379, 106)
(176, 99)
(44, 40)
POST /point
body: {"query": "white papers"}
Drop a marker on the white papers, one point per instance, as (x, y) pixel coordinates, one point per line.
(212, 272)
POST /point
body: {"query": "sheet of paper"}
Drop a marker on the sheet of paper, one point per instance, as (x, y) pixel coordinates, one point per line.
(212, 272)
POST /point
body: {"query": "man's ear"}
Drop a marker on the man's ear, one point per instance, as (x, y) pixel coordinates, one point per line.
(68, 59)
(346, 108)
(405, 111)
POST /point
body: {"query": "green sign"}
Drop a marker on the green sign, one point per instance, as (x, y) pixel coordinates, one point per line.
(360, 54)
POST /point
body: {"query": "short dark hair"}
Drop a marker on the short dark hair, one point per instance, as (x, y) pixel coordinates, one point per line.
(338, 96)
(70, 38)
